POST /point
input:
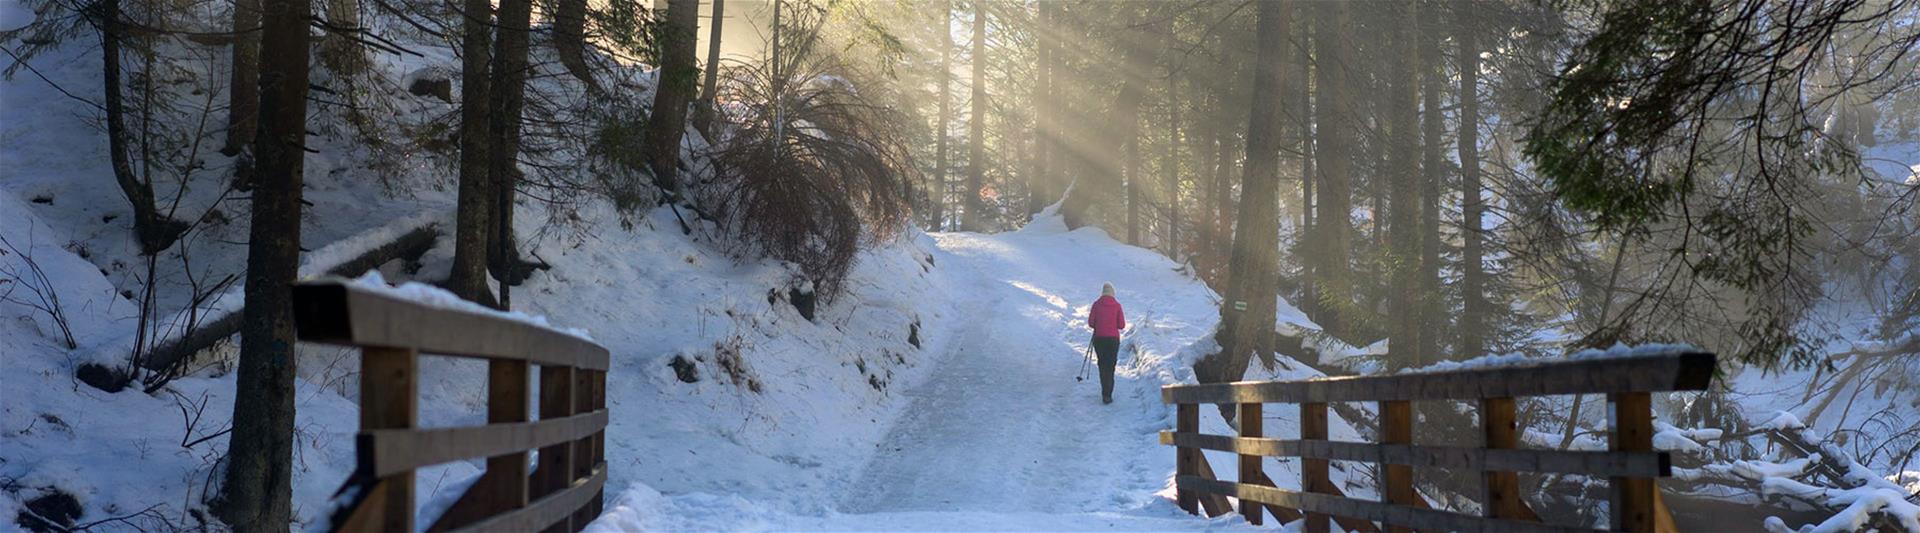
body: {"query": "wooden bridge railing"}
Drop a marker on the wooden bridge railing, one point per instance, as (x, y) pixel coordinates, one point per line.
(1631, 464)
(563, 493)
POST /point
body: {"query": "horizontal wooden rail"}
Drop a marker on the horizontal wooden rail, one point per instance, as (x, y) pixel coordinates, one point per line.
(562, 494)
(1630, 464)
(339, 312)
(546, 510)
(1424, 519)
(398, 450)
(1662, 372)
(1595, 463)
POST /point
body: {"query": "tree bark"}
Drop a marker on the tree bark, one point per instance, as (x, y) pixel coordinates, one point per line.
(473, 225)
(1040, 182)
(1247, 314)
(570, 36)
(1172, 163)
(152, 230)
(1472, 326)
(973, 219)
(1334, 118)
(243, 89)
(1304, 131)
(1403, 194)
(939, 192)
(703, 115)
(1431, 319)
(507, 100)
(259, 475)
(679, 78)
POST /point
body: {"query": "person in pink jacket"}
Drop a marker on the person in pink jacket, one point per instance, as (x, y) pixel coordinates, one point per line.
(1107, 319)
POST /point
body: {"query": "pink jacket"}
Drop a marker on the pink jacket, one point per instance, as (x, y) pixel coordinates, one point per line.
(1106, 318)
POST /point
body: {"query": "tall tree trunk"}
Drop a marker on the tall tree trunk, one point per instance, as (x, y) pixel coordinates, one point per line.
(507, 95)
(1334, 120)
(340, 51)
(153, 231)
(1039, 183)
(939, 192)
(1403, 194)
(1472, 274)
(703, 115)
(570, 36)
(1203, 247)
(474, 217)
(1431, 319)
(1172, 164)
(1247, 314)
(259, 475)
(1223, 190)
(679, 78)
(243, 89)
(972, 219)
(1303, 128)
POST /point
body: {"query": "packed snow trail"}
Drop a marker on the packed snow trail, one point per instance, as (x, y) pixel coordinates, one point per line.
(1000, 436)
(1002, 425)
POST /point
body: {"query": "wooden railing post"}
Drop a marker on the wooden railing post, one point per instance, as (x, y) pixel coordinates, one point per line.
(504, 485)
(1250, 474)
(583, 454)
(599, 437)
(1500, 491)
(1313, 472)
(389, 386)
(1396, 427)
(555, 471)
(1631, 429)
(1186, 420)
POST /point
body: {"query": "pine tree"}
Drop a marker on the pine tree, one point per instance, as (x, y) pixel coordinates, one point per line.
(973, 218)
(259, 476)
(679, 79)
(473, 220)
(1247, 314)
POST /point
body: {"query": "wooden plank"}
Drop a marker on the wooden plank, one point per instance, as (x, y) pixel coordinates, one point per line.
(550, 510)
(599, 439)
(1671, 371)
(1500, 488)
(1284, 514)
(1662, 516)
(338, 312)
(555, 471)
(1396, 427)
(1400, 515)
(1631, 430)
(1595, 463)
(1187, 420)
(1313, 472)
(1213, 504)
(389, 390)
(400, 450)
(503, 487)
(360, 515)
(1250, 427)
(583, 458)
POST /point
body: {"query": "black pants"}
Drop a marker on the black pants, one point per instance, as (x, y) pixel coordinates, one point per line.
(1108, 348)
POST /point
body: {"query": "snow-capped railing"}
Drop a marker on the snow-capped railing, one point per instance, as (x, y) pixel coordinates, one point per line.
(565, 489)
(1631, 463)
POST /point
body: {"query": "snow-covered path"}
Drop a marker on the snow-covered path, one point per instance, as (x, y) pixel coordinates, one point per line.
(1000, 436)
(1002, 425)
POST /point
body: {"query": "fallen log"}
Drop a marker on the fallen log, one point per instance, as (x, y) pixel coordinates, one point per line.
(169, 356)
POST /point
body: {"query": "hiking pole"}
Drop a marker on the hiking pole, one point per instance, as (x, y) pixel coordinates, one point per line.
(1084, 356)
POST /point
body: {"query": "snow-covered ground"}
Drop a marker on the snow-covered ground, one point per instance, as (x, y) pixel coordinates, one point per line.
(1002, 436)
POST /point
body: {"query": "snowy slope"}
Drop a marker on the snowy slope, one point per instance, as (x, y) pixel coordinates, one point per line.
(1001, 436)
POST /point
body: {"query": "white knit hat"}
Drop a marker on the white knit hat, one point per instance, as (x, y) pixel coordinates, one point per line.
(1106, 289)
